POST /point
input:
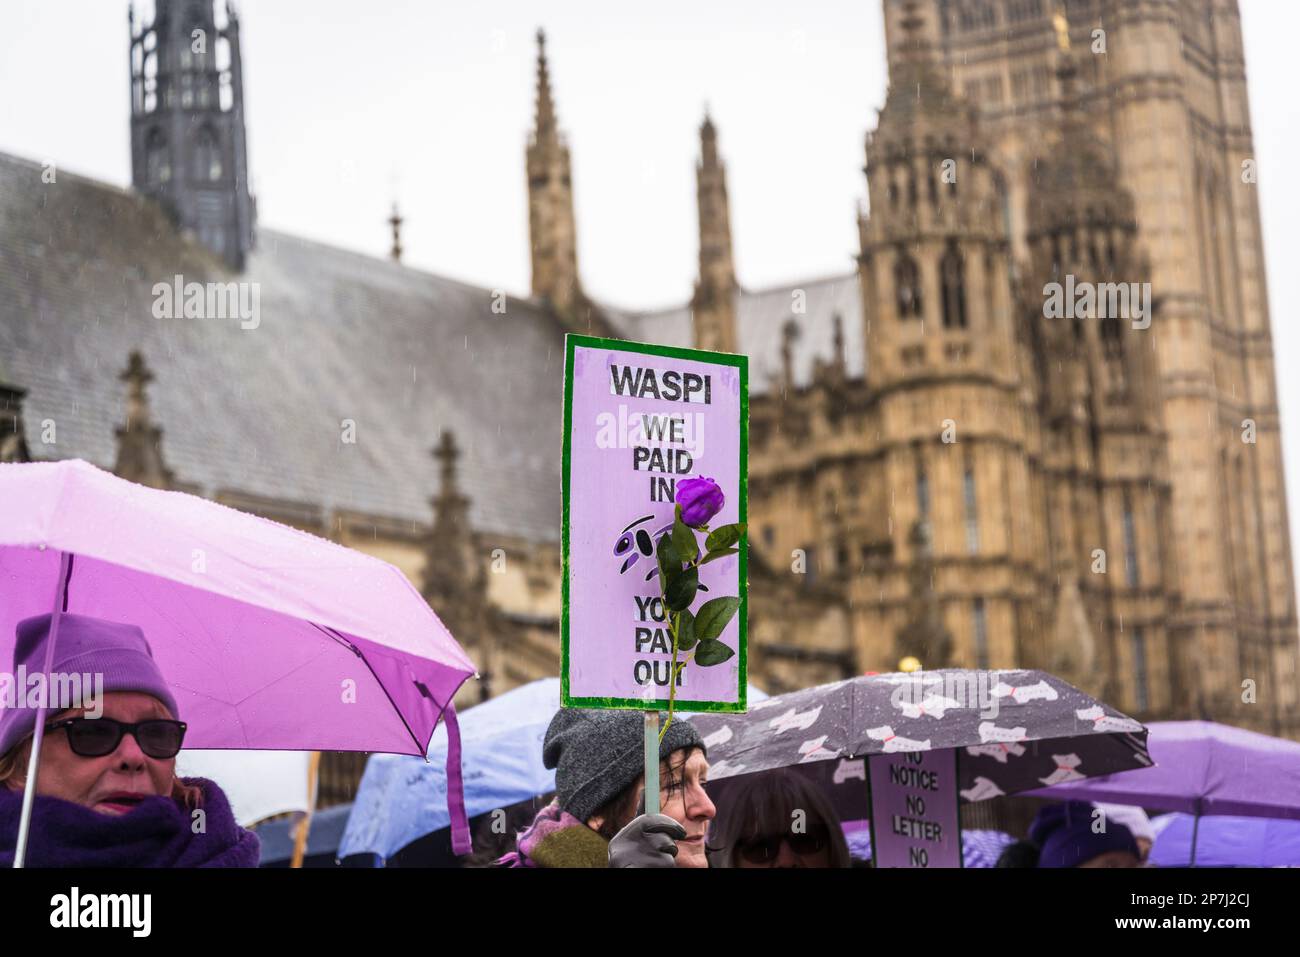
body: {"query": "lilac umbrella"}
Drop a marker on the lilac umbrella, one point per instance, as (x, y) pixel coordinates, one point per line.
(1201, 768)
(270, 638)
(1225, 842)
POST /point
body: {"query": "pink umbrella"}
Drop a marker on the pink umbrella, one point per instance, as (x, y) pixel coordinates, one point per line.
(269, 637)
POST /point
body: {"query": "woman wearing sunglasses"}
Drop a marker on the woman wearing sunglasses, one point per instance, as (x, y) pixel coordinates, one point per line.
(107, 794)
(776, 819)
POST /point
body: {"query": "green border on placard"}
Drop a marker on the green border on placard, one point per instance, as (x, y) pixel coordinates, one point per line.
(741, 362)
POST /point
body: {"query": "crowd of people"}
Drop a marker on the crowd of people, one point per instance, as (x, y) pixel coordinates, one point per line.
(108, 794)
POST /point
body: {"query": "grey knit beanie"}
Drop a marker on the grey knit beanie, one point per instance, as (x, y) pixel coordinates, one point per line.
(598, 755)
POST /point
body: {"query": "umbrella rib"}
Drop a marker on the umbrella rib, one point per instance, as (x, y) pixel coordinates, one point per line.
(406, 724)
(197, 618)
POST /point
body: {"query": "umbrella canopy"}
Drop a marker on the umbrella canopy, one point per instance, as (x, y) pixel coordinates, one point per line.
(1204, 768)
(268, 637)
(1227, 841)
(401, 799)
(1013, 730)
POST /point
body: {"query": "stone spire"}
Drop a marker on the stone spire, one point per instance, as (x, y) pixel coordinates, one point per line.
(550, 203)
(395, 221)
(139, 441)
(454, 582)
(713, 307)
(451, 508)
(453, 571)
(547, 130)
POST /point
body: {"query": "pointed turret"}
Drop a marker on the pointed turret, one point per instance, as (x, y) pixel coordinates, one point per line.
(139, 440)
(550, 202)
(713, 307)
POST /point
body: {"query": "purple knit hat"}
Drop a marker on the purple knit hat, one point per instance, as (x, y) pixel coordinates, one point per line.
(86, 645)
(1065, 833)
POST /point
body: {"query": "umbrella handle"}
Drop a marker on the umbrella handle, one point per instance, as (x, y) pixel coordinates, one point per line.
(38, 734)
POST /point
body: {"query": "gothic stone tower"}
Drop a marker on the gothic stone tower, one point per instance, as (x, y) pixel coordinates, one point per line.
(1101, 448)
(945, 386)
(187, 124)
(1164, 85)
(551, 225)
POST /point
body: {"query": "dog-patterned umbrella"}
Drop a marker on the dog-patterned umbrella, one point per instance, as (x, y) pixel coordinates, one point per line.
(1012, 730)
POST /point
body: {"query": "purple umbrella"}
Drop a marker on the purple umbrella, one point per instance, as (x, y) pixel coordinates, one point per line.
(1202, 768)
(1225, 842)
(270, 638)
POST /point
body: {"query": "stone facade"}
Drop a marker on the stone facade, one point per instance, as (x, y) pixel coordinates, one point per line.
(1056, 462)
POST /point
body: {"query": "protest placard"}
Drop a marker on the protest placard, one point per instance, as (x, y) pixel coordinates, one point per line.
(638, 420)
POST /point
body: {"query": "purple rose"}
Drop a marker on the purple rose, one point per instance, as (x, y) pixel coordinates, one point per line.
(700, 499)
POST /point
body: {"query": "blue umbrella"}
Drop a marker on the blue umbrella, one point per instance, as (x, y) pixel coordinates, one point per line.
(501, 760)
(402, 798)
(277, 837)
(1225, 841)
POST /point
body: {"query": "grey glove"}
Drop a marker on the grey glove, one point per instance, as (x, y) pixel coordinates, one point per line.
(648, 841)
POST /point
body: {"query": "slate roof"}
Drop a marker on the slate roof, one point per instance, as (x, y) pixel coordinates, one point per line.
(761, 316)
(401, 352)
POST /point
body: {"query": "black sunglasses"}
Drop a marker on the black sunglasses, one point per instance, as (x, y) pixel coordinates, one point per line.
(95, 737)
(763, 850)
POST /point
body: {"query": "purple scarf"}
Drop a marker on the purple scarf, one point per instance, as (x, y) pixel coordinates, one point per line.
(155, 833)
(550, 820)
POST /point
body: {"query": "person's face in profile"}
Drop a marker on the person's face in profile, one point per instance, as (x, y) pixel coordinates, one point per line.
(682, 797)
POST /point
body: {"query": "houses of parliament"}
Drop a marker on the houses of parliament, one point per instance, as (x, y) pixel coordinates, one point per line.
(942, 466)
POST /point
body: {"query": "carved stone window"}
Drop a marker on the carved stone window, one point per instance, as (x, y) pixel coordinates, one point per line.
(954, 289)
(207, 155)
(972, 516)
(907, 286)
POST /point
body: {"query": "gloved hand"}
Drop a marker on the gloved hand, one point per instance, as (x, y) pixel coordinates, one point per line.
(648, 841)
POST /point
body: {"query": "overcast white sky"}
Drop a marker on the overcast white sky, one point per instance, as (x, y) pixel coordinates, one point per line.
(352, 104)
